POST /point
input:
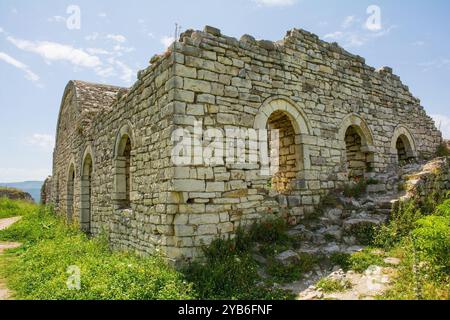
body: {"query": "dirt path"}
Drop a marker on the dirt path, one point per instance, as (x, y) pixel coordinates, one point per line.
(5, 294)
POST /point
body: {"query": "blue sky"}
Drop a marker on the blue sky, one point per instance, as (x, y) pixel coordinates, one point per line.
(39, 54)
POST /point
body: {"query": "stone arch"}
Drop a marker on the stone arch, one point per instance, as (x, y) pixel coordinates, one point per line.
(280, 103)
(357, 144)
(70, 191)
(87, 169)
(283, 114)
(122, 162)
(403, 145)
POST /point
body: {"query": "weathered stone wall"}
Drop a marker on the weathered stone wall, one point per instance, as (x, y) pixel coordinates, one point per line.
(46, 191)
(318, 87)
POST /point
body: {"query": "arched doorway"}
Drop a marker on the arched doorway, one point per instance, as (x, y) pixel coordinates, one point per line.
(403, 147)
(356, 159)
(86, 194)
(288, 151)
(357, 147)
(122, 168)
(281, 114)
(70, 192)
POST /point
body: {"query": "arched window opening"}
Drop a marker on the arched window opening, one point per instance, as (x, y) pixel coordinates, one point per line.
(86, 194)
(123, 173)
(282, 181)
(356, 158)
(70, 192)
(401, 151)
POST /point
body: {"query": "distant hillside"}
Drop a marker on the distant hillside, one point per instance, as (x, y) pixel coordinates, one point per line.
(32, 187)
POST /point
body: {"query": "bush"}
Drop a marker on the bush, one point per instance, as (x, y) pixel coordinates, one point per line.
(362, 260)
(292, 272)
(355, 190)
(442, 150)
(402, 222)
(431, 240)
(229, 273)
(269, 231)
(425, 269)
(341, 259)
(12, 208)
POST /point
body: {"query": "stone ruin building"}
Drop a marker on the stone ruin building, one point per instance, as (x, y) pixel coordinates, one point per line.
(338, 119)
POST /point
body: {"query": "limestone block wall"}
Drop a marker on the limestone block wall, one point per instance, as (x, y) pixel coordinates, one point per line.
(312, 91)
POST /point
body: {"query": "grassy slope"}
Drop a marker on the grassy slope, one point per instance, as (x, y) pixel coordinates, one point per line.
(10, 208)
(39, 270)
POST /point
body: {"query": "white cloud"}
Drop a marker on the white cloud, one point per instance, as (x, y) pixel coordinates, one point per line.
(418, 43)
(1, 30)
(275, 3)
(127, 72)
(105, 67)
(92, 37)
(53, 51)
(30, 75)
(123, 49)
(351, 34)
(43, 141)
(167, 41)
(443, 124)
(102, 15)
(348, 22)
(334, 35)
(21, 174)
(437, 64)
(116, 37)
(98, 51)
(56, 19)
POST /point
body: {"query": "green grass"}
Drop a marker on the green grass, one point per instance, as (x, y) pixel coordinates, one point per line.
(361, 261)
(333, 285)
(11, 208)
(281, 273)
(39, 269)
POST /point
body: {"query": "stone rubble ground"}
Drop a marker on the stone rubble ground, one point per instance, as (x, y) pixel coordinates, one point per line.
(332, 233)
(5, 294)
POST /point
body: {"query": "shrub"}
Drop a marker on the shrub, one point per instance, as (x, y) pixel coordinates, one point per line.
(341, 259)
(362, 260)
(365, 233)
(355, 189)
(269, 231)
(431, 240)
(330, 200)
(402, 222)
(442, 150)
(229, 272)
(291, 272)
